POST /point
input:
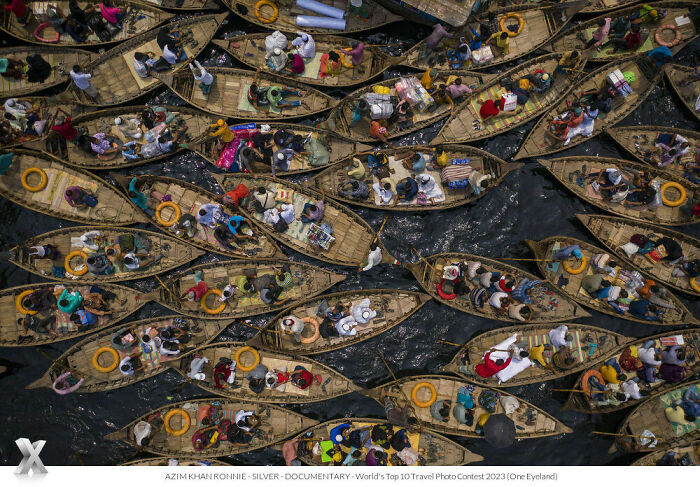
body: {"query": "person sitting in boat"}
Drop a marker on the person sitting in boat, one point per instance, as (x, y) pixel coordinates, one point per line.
(161, 146)
(129, 128)
(440, 96)
(256, 378)
(491, 109)
(138, 261)
(292, 325)
(607, 182)
(257, 96)
(433, 41)
(386, 190)
(303, 379)
(560, 337)
(440, 410)
(611, 295)
(362, 312)
(630, 42)
(37, 324)
(457, 89)
(429, 190)
(460, 56)
(330, 65)
(276, 60)
(277, 98)
(196, 292)
(599, 35)
(312, 212)
(672, 373)
(12, 69)
(377, 130)
(79, 197)
(406, 189)
(98, 264)
(353, 189)
(488, 367)
(502, 40)
(132, 364)
(664, 155)
(270, 295)
(295, 64)
(569, 61)
(414, 162)
(104, 146)
(40, 300)
(305, 45)
(605, 394)
(47, 251)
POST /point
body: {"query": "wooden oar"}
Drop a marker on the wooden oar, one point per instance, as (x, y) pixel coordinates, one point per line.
(380, 229)
(528, 260)
(423, 259)
(403, 393)
(571, 390)
(176, 298)
(242, 322)
(449, 343)
(622, 434)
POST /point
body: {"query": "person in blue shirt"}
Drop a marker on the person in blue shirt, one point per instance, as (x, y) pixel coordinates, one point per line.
(83, 317)
(567, 252)
(644, 310)
(69, 302)
(340, 433)
(661, 55)
(407, 189)
(138, 198)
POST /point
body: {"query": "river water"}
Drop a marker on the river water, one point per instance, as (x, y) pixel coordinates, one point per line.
(529, 204)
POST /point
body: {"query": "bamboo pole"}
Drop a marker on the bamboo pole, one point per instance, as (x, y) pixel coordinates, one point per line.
(622, 434)
(380, 229)
(423, 259)
(242, 322)
(403, 393)
(570, 390)
(167, 288)
(449, 343)
(527, 260)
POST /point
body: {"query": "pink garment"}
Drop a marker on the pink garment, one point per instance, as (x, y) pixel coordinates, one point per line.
(601, 33)
(357, 54)
(297, 64)
(289, 451)
(455, 91)
(110, 13)
(228, 155)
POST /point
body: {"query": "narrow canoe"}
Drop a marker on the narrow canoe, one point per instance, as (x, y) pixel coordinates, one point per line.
(637, 140)
(687, 90)
(278, 425)
(549, 305)
(333, 383)
(181, 462)
(173, 252)
(435, 449)
(540, 141)
(139, 18)
(352, 235)
(573, 171)
(331, 179)
(48, 110)
(466, 124)
(676, 10)
(652, 459)
(589, 345)
(61, 60)
(597, 6)
(582, 402)
(189, 198)
(651, 416)
(250, 50)
(613, 232)
(530, 421)
(112, 207)
(80, 358)
(393, 306)
(308, 281)
(125, 302)
(540, 24)
(341, 116)
(570, 284)
(338, 147)
(286, 18)
(195, 122)
(229, 94)
(183, 5)
(113, 72)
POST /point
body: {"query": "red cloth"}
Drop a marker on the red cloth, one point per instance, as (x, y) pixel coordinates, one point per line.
(18, 7)
(235, 195)
(376, 129)
(488, 109)
(696, 210)
(633, 40)
(226, 370)
(297, 64)
(66, 130)
(308, 379)
(489, 367)
(198, 290)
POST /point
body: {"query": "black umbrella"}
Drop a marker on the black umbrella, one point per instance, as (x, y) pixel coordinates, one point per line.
(499, 430)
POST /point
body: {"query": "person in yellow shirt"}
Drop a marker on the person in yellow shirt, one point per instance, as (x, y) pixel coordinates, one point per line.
(428, 77)
(221, 130)
(537, 355)
(612, 373)
(502, 40)
(569, 61)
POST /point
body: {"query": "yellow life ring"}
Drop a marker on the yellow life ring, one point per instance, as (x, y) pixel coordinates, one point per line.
(168, 204)
(207, 309)
(258, 14)
(577, 270)
(67, 262)
(243, 350)
(185, 418)
(346, 60)
(18, 303)
(512, 15)
(37, 187)
(317, 332)
(694, 284)
(679, 201)
(429, 402)
(111, 366)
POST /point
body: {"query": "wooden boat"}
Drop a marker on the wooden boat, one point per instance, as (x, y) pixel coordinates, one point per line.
(113, 72)
(196, 123)
(183, 5)
(67, 240)
(61, 60)
(341, 117)
(540, 141)
(338, 147)
(530, 421)
(570, 171)
(450, 12)
(613, 232)
(250, 50)
(352, 236)
(182, 462)
(637, 140)
(678, 76)
(597, 6)
(466, 124)
(332, 178)
(48, 110)
(139, 18)
(276, 424)
(285, 20)
(434, 449)
(651, 416)
(228, 96)
(676, 10)
(190, 197)
(51, 178)
(12, 334)
(429, 270)
(570, 284)
(393, 306)
(79, 359)
(540, 24)
(652, 459)
(589, 345)
(308, 281)
(333, 383)
(581, 400)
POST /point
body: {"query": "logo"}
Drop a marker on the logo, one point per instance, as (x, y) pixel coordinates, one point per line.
(31, 460)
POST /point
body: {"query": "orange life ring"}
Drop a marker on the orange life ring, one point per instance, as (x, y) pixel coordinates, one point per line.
(18, 303)
(512, 15)
(206, 308)
(694, 284)
(67, 263)
(317, 332)
(38, 186)
(443, 294)
(673, 203)
(587, 375)
(418, 387)
(111, 366)
(575, 270)
(258, 14)
(175, 218)
(40, 28)
(185, 417)
(674, 42)
(241, 351)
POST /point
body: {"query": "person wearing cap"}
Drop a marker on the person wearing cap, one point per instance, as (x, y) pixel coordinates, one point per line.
(220, 129)
(540, 81)
(357, 52)
(128, 129)
(362, 313)
(429, 187)
(305, 45)
(202, 76)
(276, 60)
(282, 160)
(560, 336)
(292, 325)
(567, 252)
(346, 326)
(607, 182)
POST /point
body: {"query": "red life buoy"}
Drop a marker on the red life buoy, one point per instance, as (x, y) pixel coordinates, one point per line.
(443, 294)
(675, 41)
(40, 29)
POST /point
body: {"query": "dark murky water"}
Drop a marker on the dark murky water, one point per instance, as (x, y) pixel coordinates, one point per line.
(528, 205)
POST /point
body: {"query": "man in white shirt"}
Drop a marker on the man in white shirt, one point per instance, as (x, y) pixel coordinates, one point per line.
(559, 336)
(287, 213)
(305, 45)
(374, 257)
(82, 81)
(202, 76)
